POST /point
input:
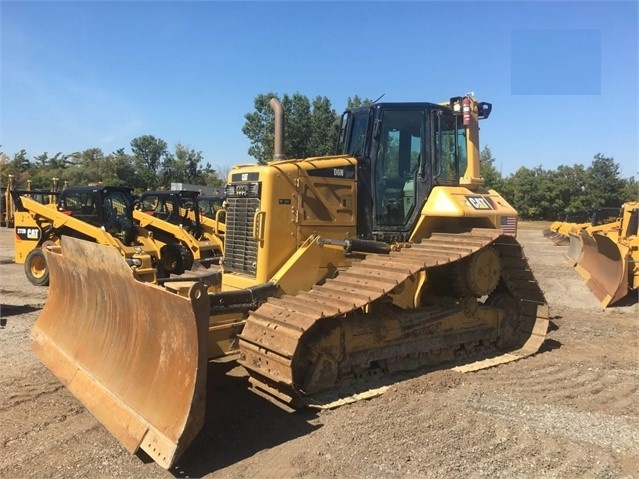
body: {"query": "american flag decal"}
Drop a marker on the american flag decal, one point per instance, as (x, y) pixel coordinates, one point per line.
(509, 225)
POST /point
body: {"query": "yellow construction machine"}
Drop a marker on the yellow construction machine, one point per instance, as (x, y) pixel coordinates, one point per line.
(7, 203)
(338, 271)
(558, 230)
(210, 205)
(173, 215)
(607, 256)
(565, 231)
(101, 214)
(569, 232)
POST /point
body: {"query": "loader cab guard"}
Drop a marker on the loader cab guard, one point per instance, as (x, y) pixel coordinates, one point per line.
(179, 207)
(107, 207)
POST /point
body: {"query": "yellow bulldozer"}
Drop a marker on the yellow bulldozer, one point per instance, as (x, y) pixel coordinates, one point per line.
(565, 231)
(101, 214)
(607, 256)
(387, 256)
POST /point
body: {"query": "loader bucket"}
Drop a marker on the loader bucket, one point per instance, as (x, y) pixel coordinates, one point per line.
(133, 353)
(604, 266)
(574, 252)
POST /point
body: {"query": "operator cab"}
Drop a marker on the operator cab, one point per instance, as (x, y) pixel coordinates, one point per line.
(104, 206)
(403, 150)
(178, 207)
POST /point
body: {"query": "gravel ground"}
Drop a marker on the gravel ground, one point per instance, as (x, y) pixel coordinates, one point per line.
(569, 411)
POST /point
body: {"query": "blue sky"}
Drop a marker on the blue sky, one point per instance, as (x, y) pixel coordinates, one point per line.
(562, 76)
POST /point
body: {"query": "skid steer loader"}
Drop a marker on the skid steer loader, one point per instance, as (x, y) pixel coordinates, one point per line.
(7, 204)
(175, 216)
(387, 256)
(608, 256)
(101, 214)
(210, 205)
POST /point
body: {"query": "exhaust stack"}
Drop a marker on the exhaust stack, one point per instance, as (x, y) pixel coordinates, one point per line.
(278, 110)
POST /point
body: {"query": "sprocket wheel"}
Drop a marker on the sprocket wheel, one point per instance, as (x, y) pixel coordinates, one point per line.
(479, 275)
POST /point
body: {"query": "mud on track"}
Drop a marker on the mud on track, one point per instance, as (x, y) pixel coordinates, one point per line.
(570, 411)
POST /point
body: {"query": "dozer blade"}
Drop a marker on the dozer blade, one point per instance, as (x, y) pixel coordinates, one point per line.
(560, 240)
(131, 352)
(604, 267)
(574, 252)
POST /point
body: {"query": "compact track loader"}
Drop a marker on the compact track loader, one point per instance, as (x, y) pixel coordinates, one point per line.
(338, 272)
(607, 257)
(175, 216)
(101, 214)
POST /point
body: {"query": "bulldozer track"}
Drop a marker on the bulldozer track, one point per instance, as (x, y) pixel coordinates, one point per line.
(275, 330)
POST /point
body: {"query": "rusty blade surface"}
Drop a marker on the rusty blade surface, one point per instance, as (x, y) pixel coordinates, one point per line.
(604, 267)
(132, 353)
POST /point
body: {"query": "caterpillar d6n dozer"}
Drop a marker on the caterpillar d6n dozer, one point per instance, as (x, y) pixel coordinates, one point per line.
(173, 215)
(388, 256)
(607, 257)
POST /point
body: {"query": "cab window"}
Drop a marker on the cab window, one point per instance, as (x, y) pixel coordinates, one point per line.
(357, 135)
(450, 152)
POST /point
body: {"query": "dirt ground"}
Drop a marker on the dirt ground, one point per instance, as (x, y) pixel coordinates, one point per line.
(572, 410)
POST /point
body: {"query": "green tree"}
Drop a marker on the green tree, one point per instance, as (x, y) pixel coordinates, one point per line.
(298, 128)
(492, 177)
(324, 127)
(19, 163)
(148, 154)
(41, 161)
(630, 190)
(568, 189)
(117, 169)
(183, 167)
(525, 192)
(604, 185)
(310, 129)
(58, 161)
(258, 127)
(214, 177)
(356, 102)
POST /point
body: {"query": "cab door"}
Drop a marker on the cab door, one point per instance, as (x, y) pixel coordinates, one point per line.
(397, 176)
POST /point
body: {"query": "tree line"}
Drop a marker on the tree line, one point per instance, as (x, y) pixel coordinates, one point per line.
(311, 130)
(149, 166)
(540, 194)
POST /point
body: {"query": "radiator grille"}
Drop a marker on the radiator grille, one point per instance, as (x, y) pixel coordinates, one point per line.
(240, 248)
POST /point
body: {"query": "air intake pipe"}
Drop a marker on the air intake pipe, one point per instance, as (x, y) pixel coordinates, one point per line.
(278, 147)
